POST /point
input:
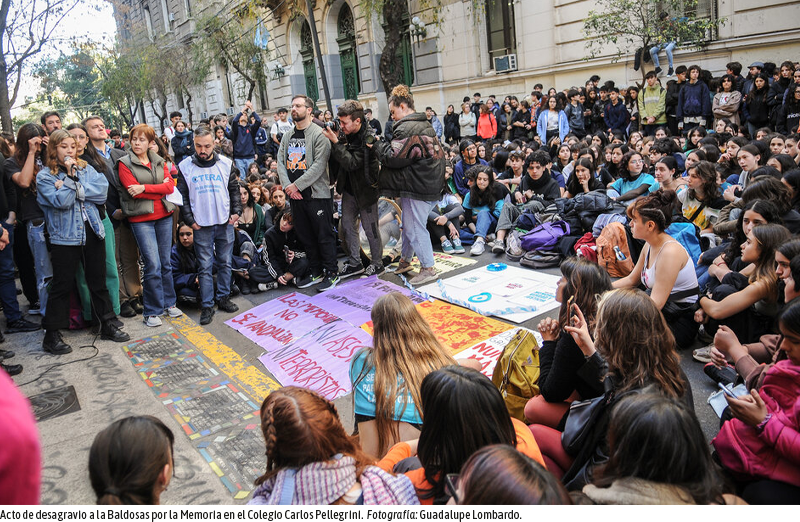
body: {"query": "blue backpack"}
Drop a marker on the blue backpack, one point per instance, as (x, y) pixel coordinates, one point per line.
(686, 234)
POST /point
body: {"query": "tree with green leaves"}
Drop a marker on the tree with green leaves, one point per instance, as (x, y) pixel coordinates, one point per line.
(625, 25)
(75, 79)
(26, 29)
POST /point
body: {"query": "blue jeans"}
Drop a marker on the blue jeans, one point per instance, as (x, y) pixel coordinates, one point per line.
(486, 223)
(416, 238)
(242, 164)
(668, 47)
(41, 258)
(155, 243)
(8, 288)
(210, 242)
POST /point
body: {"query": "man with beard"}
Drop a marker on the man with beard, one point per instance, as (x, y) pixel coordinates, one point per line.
(303, 171)
(209, 185)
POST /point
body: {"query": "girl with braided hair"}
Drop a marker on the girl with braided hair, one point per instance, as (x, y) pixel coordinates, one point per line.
(312, 461)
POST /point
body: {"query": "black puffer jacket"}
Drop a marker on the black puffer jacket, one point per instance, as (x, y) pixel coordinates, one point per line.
(413, 162)
(582, 211)
(358, 168)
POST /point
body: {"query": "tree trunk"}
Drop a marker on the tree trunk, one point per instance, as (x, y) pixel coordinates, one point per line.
(5, 103)
(390, 70)
(188, 101)
(251, 89)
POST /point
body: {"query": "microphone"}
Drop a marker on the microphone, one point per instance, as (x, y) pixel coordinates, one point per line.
(69, 162)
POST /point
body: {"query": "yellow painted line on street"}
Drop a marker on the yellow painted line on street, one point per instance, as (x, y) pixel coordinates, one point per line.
(252, 380)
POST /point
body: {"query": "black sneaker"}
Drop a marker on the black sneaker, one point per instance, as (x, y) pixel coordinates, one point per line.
(109, 332)
(309, 281)
(12, 369)
(246, 289)
(349, 271)
(137, 306)
(234, 290)
(372, 270)
(126, 310)
(328, 283)
(206, 315)
(226, 305)
(726, 375)
(658, 71)
(22, 325)
(6, 354)
(54, 343)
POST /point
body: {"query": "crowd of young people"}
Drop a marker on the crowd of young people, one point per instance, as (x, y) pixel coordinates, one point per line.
(706, 191)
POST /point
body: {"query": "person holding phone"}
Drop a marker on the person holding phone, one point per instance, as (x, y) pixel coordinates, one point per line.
(760, 445)
(560, 358)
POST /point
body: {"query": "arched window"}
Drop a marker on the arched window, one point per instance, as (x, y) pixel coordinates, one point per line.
(309, 68)
(346, 39)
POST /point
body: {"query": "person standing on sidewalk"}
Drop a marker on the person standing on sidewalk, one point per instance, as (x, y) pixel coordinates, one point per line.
(69, 192)
(8, 289)
(358, 185)
(145, 182)
(127, 251)
(303, 171)
(413, 170)
(209, 185)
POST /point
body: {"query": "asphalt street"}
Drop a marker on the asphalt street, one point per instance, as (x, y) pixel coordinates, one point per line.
(108, 386)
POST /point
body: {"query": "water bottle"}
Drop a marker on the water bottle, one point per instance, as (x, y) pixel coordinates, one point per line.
(619, 254)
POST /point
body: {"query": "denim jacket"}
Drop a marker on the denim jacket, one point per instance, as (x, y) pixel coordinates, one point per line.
(63, 208)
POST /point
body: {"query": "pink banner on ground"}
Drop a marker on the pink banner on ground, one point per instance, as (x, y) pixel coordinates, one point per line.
(353, 301)
(320, 360)
(282, 320)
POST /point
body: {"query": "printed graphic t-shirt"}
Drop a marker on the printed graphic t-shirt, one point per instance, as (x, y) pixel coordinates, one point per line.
(296, 164)
(364, 394)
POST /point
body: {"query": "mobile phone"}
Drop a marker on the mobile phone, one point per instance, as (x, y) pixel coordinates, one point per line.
(571, 309)
(727, 391)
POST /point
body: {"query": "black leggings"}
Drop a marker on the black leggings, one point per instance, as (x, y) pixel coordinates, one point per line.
(748, 325)
(65, 261)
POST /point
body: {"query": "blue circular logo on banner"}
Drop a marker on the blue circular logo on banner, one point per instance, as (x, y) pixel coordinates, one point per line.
(496, 267)
(480, 298)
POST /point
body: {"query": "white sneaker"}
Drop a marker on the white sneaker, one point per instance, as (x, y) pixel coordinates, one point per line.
(154, 320)
(174, 311)
(478, 247)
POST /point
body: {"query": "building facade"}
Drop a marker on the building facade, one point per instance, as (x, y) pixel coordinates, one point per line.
(534, 41)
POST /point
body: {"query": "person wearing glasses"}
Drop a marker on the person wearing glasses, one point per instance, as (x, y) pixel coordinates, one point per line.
(633, 182)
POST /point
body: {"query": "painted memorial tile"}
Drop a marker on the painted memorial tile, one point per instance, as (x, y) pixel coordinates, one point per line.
(159, 346)
(179, 372)
(204, 411)
(320, 360)
(236, 456)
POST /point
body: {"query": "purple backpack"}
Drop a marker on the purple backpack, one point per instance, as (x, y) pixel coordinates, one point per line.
(545, 236)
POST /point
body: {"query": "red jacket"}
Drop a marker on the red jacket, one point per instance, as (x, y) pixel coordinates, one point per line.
(487, 126)
(774, 452)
